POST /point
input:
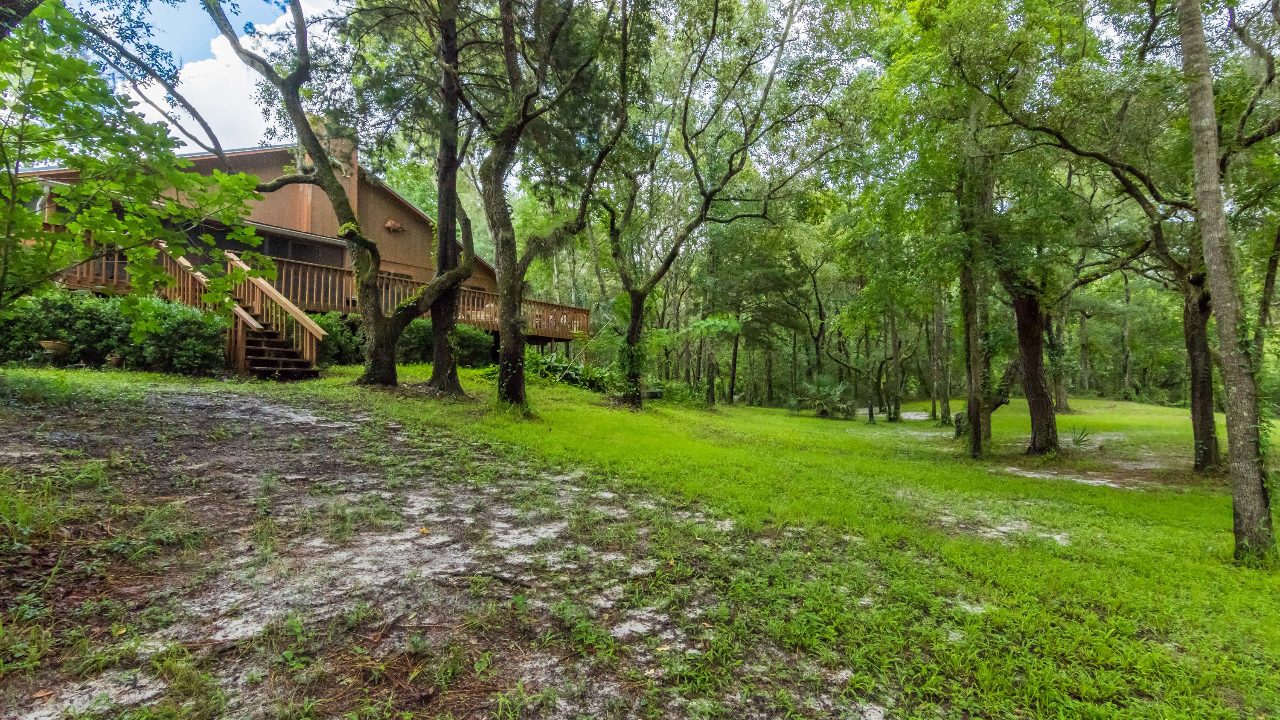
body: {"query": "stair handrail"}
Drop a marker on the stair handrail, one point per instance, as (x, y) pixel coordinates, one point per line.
(200, 277)
(275, 296)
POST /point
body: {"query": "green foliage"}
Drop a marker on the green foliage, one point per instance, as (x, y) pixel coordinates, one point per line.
(140, 332)
(60, 111)
(564, 369)
(472, 346)
(345, 342)
(829, 399)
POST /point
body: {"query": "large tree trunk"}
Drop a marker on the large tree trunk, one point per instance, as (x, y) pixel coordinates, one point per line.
(768, 376)
(973, 355)
(379, 353)
(712, 371)
(511, 343)
(944, 413)
(1085, 360)
(939, 360)
(795, 364)
(380, 338)
(444, 311)
(632, 359)
(1030, 321)
(930, 379)
(511, 339)
(1055, 331)
(1251, 504)
(1195, 332)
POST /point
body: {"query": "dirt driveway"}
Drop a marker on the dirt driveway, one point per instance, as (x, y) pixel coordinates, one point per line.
(314, 563)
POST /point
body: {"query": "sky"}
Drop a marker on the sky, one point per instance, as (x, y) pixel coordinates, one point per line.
(212, 78)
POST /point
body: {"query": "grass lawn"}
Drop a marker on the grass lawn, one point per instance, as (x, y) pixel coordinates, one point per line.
(1095, 584)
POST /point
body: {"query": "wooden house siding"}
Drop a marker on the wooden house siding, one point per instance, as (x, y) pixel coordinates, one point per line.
(408, 252)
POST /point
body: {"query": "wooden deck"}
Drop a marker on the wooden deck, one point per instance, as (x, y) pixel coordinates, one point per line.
(320, 288)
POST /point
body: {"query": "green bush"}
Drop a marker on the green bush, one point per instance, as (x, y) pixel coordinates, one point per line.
(343, 345)
(345, 342)
(171, 337)
(416, 344)
(144, 332)
(829, 399)
(472, 345)
(561, 368)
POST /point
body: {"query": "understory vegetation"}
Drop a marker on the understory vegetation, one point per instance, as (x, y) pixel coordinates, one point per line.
(344, 344)
(917, 360)
(1096, 583)
(143, 333)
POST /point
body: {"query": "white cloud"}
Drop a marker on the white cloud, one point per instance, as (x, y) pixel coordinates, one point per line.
(223, 89)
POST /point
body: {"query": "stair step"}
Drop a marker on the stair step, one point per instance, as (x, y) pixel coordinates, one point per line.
(269, 342)
(265, 373)
(259, 361)
(270, 351)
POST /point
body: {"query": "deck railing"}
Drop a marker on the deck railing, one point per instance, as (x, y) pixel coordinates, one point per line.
(189, 287)
(266, 302)
(322, 288)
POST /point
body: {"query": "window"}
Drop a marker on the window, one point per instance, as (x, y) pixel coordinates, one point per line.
(302, 251)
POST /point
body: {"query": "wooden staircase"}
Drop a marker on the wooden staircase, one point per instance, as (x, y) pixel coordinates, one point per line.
(269, 355)
(269, 337)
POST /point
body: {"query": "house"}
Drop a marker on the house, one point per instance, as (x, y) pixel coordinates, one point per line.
(272, 335)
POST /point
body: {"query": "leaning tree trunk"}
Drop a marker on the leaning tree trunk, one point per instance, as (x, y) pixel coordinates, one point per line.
(1251, 504)
(1030, 321)
(1195, 332)
(511, 339)
(444, 311)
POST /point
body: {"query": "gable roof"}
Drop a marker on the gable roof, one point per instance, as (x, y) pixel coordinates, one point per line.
(362, 172)
(288, 149)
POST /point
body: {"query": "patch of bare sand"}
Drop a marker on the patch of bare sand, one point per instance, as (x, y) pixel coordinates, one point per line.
(474, 533)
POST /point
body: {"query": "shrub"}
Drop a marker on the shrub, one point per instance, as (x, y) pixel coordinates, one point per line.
(561, 368)
(471, 345)
(343, 345)
(829, 399)
(171, 337)
(416, 344)
(145, 332)
(345, 342)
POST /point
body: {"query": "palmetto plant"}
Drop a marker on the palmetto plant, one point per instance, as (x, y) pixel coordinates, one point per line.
(829, 399)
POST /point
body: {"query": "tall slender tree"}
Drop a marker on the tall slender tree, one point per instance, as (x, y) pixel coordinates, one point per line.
(1251, 502)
